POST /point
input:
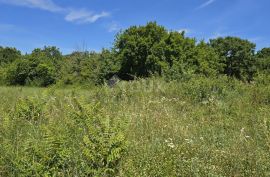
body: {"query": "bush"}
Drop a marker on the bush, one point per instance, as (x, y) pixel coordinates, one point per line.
(103, 145)
(30, 71)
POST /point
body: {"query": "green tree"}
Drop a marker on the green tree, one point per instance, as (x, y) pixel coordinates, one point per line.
(35, 69)
(90, 67)
(134, 46)
(100, 67)
(151, 49)
(263, 60)
(177, 54)
(237, 55)
(50, 52)
(8, 55)
(207, 61)
(78, 67)
(18, 72)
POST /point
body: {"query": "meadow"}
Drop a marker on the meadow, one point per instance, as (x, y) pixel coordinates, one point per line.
(148, 127)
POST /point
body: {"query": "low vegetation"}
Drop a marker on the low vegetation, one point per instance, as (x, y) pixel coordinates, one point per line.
(199, 127)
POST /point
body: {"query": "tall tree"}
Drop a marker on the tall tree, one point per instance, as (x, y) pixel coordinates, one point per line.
(237, 55)
(40, 68)
(133, 48)
(207, 61)
(263, 60)
(8, 55)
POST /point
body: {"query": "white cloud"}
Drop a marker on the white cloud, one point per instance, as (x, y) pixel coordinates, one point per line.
(84, 16)
(71, 15)
(207, 3)
(40, 4)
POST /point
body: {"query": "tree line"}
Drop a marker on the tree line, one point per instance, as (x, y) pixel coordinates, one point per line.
(138, 52)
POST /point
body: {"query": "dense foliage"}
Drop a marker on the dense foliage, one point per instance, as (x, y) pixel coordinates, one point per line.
(263, 60)
(237, 55)
(139, 51)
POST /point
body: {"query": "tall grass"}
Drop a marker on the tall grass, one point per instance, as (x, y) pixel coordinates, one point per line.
(200, 127)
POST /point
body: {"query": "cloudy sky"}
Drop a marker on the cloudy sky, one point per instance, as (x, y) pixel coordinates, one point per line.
(92, 24)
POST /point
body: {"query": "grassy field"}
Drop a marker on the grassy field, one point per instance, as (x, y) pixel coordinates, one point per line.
(201, 127)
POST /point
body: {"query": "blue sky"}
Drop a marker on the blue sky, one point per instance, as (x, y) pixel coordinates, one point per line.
(92, 24)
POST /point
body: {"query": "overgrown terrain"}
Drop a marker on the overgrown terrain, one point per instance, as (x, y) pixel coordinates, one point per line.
(149, 127)
(182, 108)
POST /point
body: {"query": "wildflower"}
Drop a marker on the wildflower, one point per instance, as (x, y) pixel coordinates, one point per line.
(211, 99)
(243, 135)
(174, 99)
(189, 141)
(163, 99)
(171, 145)
(205, 102)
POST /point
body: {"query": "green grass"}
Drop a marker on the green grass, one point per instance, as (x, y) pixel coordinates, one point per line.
(201, 127)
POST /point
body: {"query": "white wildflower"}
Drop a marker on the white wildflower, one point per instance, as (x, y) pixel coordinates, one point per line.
(171, 145)
(189, 141)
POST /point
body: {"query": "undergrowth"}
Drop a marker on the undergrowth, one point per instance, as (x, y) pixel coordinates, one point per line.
(198, 127)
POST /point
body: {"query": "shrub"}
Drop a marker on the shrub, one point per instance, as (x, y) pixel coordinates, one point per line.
(103, 144)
